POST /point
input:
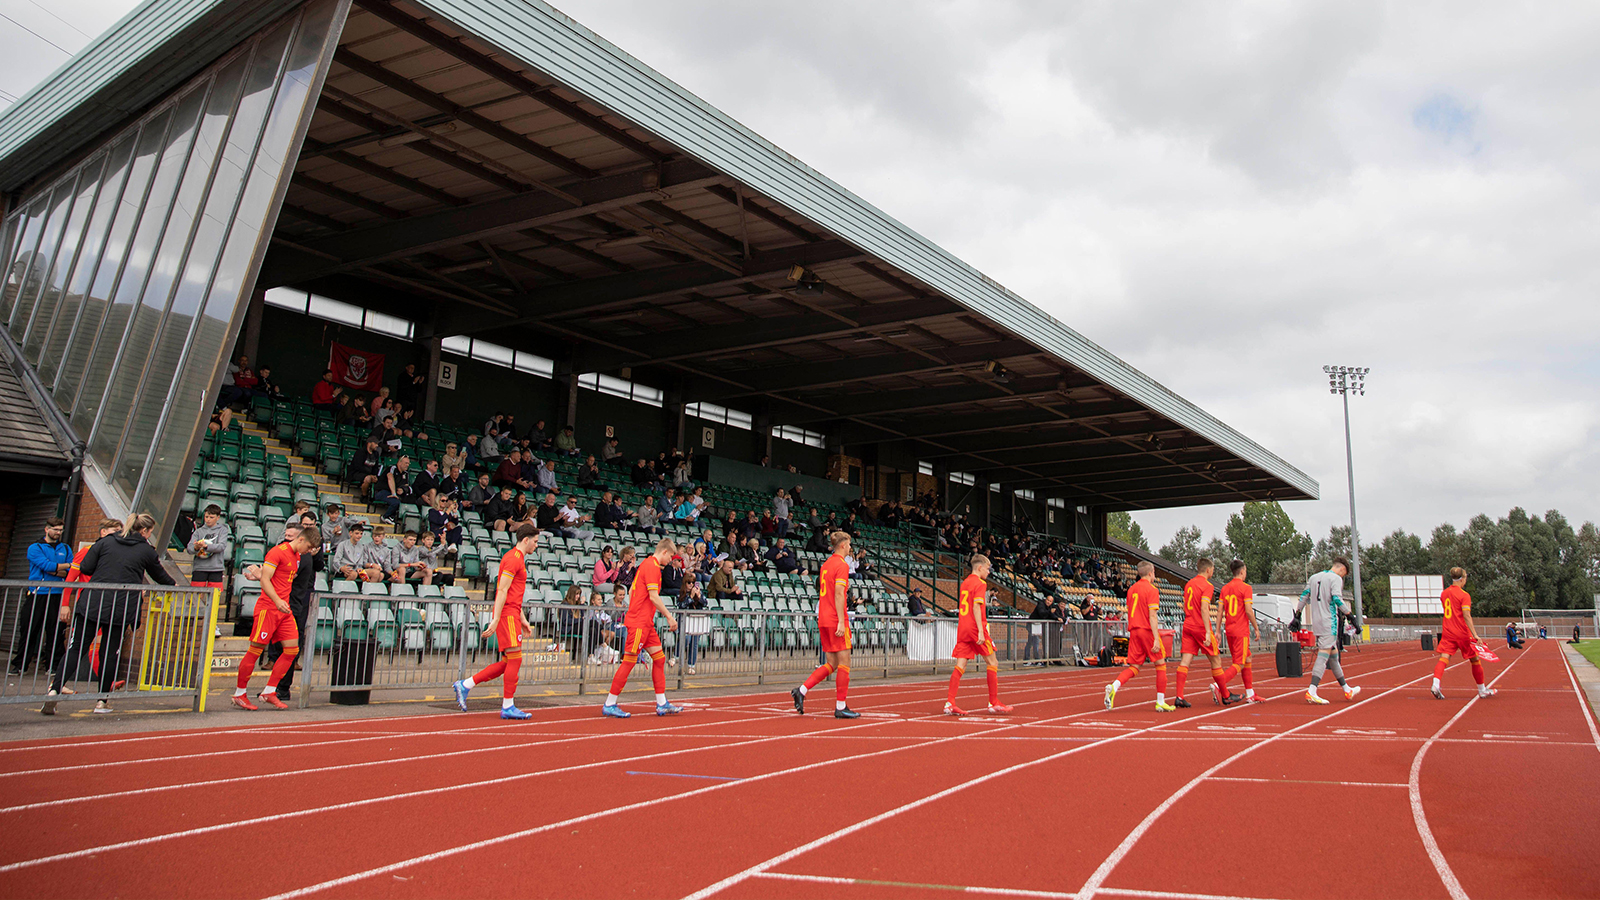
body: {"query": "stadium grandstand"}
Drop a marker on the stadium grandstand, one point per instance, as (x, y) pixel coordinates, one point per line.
(487, 221)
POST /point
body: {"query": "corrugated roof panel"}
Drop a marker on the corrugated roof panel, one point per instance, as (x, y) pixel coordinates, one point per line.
(554, 44)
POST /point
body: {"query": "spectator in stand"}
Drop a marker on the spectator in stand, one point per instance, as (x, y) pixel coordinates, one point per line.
(266, 387)
(750, 555)
(722, 586)
(380, 554)
(409, 424)
(729, 548)
(349, 558)
(445, 523)
(548, 515)
(386, 435)
(604, 515)
(358, 415)
(567, 442)
(409, 565)
(769, 526)
(546, 477)
(500, 511)
(520, 509)
(783, 559)
(914, 604)
(509, 472)
(780, 511)
(325, 394)
(430, 552)
(672, 578)
(394, 487)
(426, 486)
(691, 599)
(454, 457)
(572, 520)
(611, 453)
(365, 466)
(379, 401)
(589, 475)
(648, 520)
(621, 517)
(454, 484)
(209, 545)
(680, 476)
(479, 494)
(333, 523)
(626, 567)
(537, 438)
(641, 476)
(603, 580)
(409, 387)
(488, 450)
(667, 504)
(765, 463)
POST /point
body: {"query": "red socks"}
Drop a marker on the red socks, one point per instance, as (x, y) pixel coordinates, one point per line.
(819, 676)
(513, 667)
(1477, 671)
(1161, 678)
(658, 672)
(491, 671)
(994, 686)
(955, 683)
(1183, 678)
(1222, 682)
(282, 666)
(621, 680)
(1127, 675)
(841, 683)
(1249, 683)
(1438, 668)
(247, 666)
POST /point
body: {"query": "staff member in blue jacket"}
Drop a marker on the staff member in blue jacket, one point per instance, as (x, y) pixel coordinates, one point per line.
(39, 632)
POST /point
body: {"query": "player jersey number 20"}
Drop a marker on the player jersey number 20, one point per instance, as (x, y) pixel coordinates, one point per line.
(1233, 606)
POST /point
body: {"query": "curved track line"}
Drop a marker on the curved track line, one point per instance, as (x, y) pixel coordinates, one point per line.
(784, 857)
(1447, 875)
(1100, 874)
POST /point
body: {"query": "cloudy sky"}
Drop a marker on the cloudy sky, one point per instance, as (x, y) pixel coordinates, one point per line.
(1227, 195)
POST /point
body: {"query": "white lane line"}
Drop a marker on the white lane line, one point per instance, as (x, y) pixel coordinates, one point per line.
(1420, 817)
(363, 764)
(965, 889)
(1098, 878)
(1388, 784)
(784, 857)
(1173, 895)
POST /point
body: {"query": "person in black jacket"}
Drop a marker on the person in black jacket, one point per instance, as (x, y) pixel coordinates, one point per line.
(124, 558)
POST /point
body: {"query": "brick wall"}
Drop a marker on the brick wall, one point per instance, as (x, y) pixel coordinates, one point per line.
(87, 529)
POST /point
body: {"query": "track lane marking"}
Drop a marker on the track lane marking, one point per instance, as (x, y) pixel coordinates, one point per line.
(784, 857)
(1419, 816)
(1583, 700)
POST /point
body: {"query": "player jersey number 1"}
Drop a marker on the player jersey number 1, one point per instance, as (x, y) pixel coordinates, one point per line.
(966, 606)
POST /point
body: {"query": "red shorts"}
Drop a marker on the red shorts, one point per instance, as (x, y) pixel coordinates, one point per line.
(973, 649)
(508, 633)
(272, 626)
(640, 639)
(1239, 646)
(1141, 644)
(832, 643)
(1449, 644)
(1195, 644)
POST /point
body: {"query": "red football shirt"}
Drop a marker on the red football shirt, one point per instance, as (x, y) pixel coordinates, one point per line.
(974, 610)
(1143, 601)
(514, 574)
(1195, 596)
(280, 567)
(1236, 599)
(641, 612)
(1457, 603)
(835, 584)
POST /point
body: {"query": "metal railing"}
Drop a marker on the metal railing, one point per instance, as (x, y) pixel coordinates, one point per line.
(363, 643)
(120, 639)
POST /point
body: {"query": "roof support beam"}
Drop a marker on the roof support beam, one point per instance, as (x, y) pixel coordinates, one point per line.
(477, 121)
(478, 221)
(580, 298)
(545, 94)
(804, 376)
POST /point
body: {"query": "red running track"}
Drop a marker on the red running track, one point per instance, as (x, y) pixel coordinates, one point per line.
(1393, 795)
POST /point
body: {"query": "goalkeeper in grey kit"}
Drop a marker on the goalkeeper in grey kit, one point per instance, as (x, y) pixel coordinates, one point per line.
(1322, 602)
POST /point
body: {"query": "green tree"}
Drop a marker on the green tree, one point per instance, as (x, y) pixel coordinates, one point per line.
(1263, 535)
(1399, 553)
(1184, 548)
(1121, 526)
(1219, 552)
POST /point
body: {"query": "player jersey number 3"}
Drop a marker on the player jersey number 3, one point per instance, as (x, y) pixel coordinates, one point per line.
(966, 605)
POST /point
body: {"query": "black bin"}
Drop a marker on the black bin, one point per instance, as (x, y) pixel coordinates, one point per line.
(1289, 660)
(352, 664)
(1427, 640)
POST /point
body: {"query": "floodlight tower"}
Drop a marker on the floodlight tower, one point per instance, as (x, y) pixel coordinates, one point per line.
(1344, 381)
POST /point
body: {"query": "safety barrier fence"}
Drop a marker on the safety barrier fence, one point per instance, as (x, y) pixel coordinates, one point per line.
(364, 643)
(118, 639)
